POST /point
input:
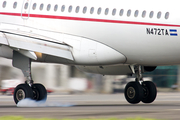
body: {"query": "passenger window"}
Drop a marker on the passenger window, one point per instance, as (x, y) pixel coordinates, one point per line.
(144, 14)
(34, 6)
(167, 15)
(159, 15)
(70, 8)
(151, 14)
(55, 7)
(26, 5)
(4, 4)
(106, 11)
(92, 10)
(15, 5)
(84, 10)
(48, 7)
(41, 6)
(128, 13)
(99, 11)
(77, 9)
(114, 12)
(62, 8)
(121, 12)
(136, 13)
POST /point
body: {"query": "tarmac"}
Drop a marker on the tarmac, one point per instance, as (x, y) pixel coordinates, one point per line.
(166, 106)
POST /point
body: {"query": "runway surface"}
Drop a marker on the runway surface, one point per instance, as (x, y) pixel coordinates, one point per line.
(166, 106)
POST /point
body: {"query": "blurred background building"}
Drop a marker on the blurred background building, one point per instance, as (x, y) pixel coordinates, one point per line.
(68, 79)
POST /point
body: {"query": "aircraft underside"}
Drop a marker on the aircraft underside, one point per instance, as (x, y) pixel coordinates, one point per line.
(135, 92)
(86, 54)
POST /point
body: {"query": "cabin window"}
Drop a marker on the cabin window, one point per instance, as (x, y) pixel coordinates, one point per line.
(144, 14)
(4, 4)
(92, 10)
(151, 14)
(48, 7)
(128, 13)
(167, 15)
(121, 12)
(62, 8)
(106, 11)
(26, 5)
(136, 13)
(159, 15)
(114, 12)
(55, 7)
(34, 6)
(15, 5)
(77, 9)
(70, 8)
(41, 6)
(99, 11)
(84, 10)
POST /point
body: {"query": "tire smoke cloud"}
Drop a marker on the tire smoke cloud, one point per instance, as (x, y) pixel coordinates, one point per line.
(43, 103)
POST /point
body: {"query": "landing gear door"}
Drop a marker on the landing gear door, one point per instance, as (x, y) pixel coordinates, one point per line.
(25, 9)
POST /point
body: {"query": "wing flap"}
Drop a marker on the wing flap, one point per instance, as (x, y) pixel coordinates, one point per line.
(29, 54)
(3, 39)
(35, 43)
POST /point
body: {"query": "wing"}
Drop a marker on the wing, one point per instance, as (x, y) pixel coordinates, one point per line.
(74, 50)
(28, 41)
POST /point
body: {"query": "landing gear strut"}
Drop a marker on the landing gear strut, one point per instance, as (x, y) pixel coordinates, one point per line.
(29, 89)
(140, 90)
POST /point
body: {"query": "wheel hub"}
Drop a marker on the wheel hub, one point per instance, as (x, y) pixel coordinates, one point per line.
(146, 92)
(20, 94)
(131, 92)
(35, 94)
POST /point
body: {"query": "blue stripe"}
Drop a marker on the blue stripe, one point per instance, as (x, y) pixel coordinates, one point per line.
(173, 30)
(173, 34)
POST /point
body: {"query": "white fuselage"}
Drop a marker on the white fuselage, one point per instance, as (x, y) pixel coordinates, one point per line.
(141, 39)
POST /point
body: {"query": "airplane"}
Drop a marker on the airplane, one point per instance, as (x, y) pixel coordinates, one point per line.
(108, 37)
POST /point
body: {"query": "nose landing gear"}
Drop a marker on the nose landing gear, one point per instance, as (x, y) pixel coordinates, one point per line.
(140, 90)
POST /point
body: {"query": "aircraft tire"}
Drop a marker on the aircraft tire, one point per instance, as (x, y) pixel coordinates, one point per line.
(133, 92)
(22, 91)
(150, 92)
(40, 92)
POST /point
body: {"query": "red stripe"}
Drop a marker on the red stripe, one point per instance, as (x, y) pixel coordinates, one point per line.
(88, 19)
(13, 14)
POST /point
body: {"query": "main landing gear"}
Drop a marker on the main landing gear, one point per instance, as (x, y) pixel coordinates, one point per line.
(140, 90)
(28, 89)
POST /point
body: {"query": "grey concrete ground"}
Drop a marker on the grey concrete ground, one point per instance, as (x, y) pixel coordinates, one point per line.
(166, 106)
